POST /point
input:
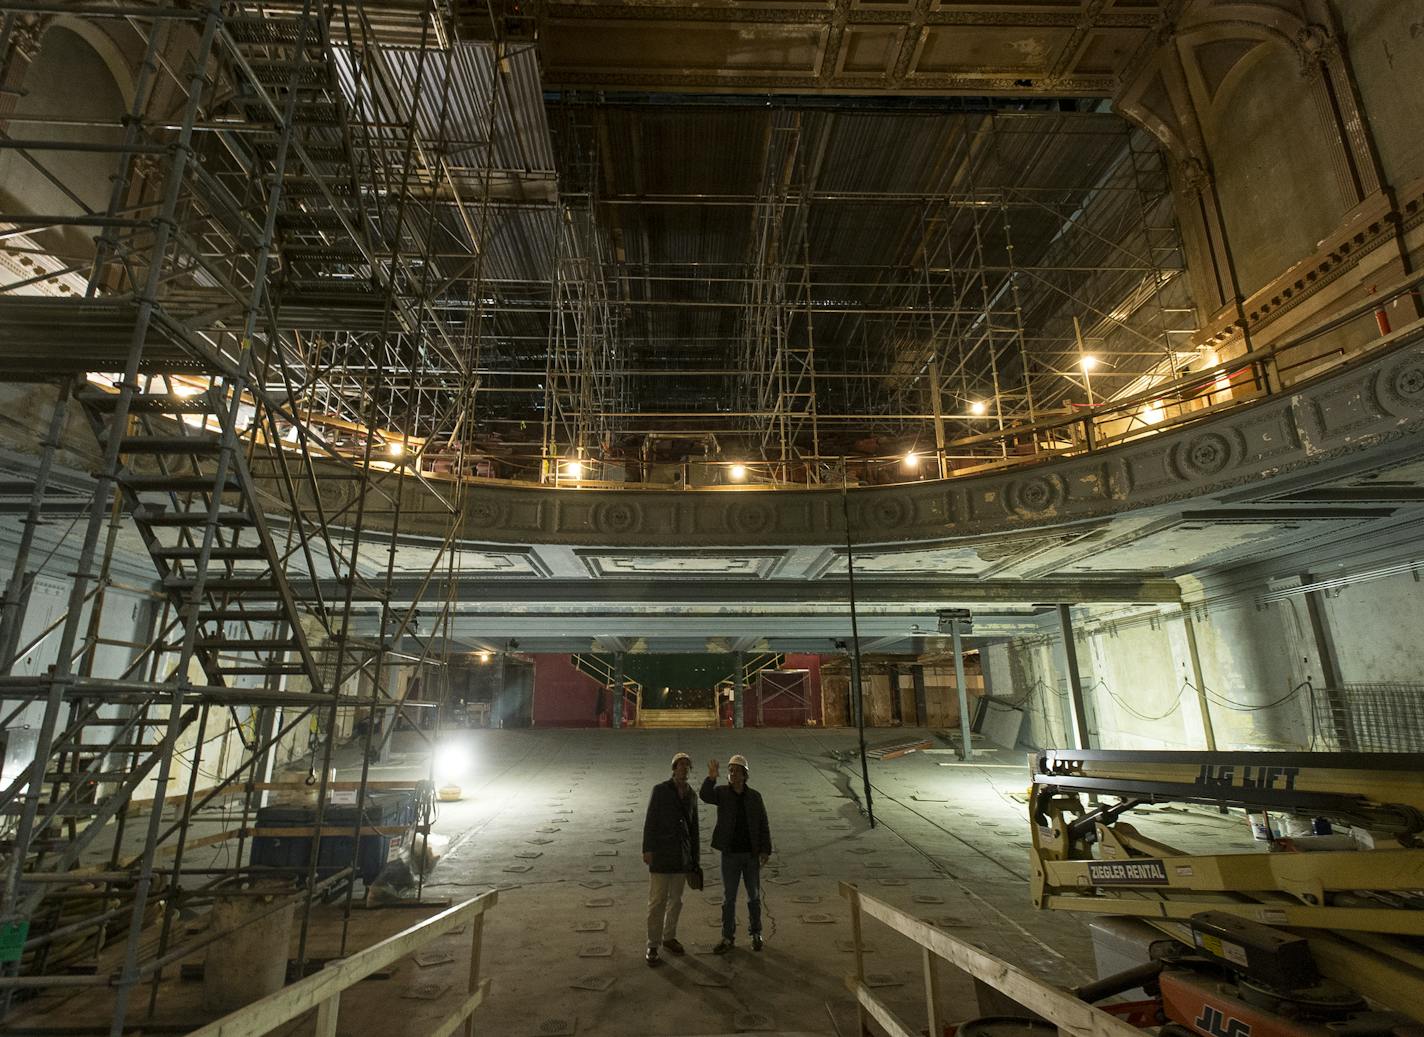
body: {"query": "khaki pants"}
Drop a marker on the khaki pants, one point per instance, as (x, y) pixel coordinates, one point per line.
(664, 906)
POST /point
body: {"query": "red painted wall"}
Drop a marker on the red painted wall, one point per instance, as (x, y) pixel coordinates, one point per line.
(565, 696)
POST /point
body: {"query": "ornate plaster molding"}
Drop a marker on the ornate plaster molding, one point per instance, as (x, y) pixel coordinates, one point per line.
(1373, 408)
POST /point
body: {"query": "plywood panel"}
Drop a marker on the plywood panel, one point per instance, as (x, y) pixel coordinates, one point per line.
(907, 702)
(943, 698)
(835, 690)
(877, 699)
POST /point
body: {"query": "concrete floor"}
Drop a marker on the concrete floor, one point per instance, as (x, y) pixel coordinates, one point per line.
(553, 820)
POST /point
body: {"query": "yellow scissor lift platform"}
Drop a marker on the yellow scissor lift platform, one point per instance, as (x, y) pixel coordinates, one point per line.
(1361, 909)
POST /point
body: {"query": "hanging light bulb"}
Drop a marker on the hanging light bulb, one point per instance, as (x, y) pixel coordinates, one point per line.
(912, 460)
(1088, 362)
(738, 472)
(978, 407)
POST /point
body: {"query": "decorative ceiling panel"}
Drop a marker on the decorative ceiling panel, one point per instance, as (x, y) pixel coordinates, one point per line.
(740, 565)
(1056, 47)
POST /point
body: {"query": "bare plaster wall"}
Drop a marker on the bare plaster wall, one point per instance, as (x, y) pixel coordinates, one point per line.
(1278, 191)
(1256, 656)
(1141, 694)
(1252, 659)
(1385, 41)
(1378, 630)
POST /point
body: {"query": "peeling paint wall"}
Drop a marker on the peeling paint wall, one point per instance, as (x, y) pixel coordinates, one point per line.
(1260, 662)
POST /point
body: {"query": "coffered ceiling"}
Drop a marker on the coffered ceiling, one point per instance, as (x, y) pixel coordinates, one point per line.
(1074, 48)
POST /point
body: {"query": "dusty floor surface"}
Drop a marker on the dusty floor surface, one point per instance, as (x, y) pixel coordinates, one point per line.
(552, 819)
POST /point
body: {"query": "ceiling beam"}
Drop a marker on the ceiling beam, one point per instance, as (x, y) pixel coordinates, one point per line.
(474, 593)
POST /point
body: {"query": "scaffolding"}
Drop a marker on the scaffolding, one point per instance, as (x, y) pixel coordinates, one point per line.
(333, 272)
(778, 356)
(582, 387)
(882, 284)
(299, 192)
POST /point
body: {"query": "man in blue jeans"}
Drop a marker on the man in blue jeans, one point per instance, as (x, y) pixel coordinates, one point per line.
(744, 837)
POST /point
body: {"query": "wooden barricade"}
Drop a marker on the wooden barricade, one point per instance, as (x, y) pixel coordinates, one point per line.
(322, 990)
(1071, 1016)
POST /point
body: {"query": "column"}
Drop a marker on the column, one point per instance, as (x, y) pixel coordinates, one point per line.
(618, 679)
(966, 747)
(937, 409)
(739, 687)
(1075, 681)
(1328, 666)
(1198, 681)
(922, 712)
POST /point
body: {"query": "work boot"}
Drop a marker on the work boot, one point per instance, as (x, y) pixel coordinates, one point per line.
(673, 947)
(652, 958)
(756, 941)
(725, 945)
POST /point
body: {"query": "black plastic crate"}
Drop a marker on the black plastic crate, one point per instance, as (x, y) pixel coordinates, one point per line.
(381, 810)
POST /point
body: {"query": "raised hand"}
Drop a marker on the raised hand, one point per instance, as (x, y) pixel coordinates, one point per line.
(712, 768)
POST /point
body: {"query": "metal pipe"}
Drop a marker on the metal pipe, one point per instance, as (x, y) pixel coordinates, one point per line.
(858, 686)
(965, 741)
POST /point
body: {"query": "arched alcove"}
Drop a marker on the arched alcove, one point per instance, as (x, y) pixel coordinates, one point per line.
(70, 83)
(1278, 189)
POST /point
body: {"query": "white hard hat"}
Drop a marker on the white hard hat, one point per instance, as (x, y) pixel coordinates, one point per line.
(739, 761)
(681, 756)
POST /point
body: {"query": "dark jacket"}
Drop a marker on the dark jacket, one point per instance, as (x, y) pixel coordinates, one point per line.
(725, 800)
(670, 830)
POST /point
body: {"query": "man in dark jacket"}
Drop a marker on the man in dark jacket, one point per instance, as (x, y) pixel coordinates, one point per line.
(670, 850)
(744, 837)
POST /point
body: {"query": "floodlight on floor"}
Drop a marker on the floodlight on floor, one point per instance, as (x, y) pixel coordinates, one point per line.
(452, 763)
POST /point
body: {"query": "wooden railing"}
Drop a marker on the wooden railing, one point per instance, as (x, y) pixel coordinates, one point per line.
(1057, 1005)
(322, 990)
